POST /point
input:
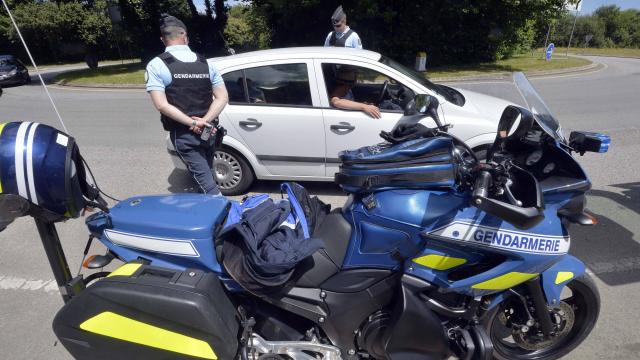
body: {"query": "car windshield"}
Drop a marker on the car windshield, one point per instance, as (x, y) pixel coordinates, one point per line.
(537, 106)
(418, 77)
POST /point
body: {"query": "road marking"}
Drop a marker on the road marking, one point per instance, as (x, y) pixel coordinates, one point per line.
(15, 283)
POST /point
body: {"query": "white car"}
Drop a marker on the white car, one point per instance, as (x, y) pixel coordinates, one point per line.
(281, 126)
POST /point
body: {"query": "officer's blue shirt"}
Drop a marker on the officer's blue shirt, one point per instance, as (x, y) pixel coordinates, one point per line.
(159, 76)
(352, 42)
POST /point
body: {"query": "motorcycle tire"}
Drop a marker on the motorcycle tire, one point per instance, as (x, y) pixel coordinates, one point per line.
(585, 303)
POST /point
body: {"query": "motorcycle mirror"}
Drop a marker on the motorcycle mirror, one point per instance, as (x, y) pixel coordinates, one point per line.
(514, 123)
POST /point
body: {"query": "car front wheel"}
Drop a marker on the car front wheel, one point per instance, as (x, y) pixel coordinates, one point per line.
(233, 173)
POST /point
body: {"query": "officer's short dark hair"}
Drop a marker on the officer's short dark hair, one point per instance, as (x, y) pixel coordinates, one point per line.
(171, 27)
(172, 32)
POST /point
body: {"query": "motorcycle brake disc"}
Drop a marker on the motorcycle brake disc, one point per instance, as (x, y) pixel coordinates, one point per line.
(564, 319)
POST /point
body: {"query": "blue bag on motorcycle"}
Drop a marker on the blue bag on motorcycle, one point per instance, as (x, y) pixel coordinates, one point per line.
(418, 163)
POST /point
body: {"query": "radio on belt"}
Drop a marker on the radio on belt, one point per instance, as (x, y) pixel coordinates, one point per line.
(206, 132)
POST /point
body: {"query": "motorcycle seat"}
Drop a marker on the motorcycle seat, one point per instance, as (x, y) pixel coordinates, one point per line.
(335, 231)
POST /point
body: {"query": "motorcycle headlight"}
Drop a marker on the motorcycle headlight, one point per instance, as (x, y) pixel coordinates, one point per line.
(13, 72)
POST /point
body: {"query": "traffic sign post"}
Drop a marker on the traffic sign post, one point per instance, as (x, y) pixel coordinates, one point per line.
(549, 51)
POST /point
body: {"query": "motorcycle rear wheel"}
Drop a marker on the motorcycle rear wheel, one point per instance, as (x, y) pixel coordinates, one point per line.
(583, 299)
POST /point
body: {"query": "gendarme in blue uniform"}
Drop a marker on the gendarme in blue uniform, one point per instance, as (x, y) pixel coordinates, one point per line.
(187, 80)
(348, 38)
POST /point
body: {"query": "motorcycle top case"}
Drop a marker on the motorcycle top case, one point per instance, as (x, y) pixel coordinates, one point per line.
(174, 231)
(419, 163)
(146, 312)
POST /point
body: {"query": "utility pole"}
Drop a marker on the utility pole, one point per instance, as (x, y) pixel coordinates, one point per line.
(577, 10)
(546, 41)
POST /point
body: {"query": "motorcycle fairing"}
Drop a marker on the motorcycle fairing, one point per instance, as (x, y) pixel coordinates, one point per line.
(477, 254)
(388, 224)
(555, 278)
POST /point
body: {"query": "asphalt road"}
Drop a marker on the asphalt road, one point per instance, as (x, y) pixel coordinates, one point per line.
(121, 138)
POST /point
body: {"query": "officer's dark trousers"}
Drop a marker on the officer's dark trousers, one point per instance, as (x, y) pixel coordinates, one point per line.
(198, 156)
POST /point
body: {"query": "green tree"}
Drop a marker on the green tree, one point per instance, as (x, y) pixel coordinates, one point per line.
(454, 31)
(246, 29)
(57, 30)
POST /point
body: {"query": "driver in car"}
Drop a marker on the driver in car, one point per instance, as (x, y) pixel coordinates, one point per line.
(342, 97)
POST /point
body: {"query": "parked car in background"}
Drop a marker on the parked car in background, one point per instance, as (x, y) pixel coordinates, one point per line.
(281, 125)
(13, 71)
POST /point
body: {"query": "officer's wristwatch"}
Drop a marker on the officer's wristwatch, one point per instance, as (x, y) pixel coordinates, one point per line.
(193, 123)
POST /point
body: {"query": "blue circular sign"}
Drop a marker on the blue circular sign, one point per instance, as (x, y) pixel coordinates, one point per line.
(550, 50)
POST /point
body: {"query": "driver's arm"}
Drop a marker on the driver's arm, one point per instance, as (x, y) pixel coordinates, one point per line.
(338, 102)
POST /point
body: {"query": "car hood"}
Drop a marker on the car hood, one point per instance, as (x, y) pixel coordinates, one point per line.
(487, 106)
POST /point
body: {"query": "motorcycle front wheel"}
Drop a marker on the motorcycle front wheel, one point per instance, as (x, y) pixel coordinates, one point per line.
(578, 313)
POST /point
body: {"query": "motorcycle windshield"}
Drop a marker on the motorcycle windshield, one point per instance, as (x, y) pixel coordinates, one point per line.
(538, 108)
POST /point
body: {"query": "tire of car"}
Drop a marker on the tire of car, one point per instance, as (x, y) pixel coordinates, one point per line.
(233, 173)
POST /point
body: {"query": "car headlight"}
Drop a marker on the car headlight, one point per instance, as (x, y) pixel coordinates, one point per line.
(13, 72)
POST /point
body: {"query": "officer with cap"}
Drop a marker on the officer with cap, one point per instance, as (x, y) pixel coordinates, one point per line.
(189, 93)
(342, 35)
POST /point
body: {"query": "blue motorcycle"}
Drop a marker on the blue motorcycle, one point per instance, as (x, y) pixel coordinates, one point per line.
(434, 254)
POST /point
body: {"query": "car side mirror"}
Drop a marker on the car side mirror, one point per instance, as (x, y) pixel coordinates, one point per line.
(425, 105)
(421, 104)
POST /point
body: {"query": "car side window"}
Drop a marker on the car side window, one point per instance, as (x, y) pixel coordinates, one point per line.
(282, 84)
(368, 87)
(234, 82)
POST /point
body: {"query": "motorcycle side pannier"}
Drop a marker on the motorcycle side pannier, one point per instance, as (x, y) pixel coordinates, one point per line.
(147, 312)
(419, 163)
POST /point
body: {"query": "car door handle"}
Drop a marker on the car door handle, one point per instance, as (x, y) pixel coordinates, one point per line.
(342, 126)
(250, 124)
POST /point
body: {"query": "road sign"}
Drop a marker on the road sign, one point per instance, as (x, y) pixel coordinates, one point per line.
(550, 51)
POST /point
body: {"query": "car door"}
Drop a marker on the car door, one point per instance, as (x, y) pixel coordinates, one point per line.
(351, 129)
(272, 108)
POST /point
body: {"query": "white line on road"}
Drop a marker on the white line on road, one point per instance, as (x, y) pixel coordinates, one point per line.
(16, 283)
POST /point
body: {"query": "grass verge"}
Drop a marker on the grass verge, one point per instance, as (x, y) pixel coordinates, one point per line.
(126, 74)
(607, 52)
(523, 62)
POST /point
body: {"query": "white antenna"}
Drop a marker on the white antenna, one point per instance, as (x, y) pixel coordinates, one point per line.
(35, 66)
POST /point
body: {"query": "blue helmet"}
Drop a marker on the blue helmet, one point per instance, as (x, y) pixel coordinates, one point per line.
(41, 173)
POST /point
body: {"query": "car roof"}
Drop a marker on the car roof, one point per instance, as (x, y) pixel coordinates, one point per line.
(294, 53)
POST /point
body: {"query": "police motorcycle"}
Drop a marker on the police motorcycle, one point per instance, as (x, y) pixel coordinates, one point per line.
(434, 254)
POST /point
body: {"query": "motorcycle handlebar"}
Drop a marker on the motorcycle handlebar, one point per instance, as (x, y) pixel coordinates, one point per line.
(481, 187)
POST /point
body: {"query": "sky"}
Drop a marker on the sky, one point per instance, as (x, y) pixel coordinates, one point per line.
(587, 5)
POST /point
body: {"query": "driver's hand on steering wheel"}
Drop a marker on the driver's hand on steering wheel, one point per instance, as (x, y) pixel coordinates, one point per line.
(371, 110)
